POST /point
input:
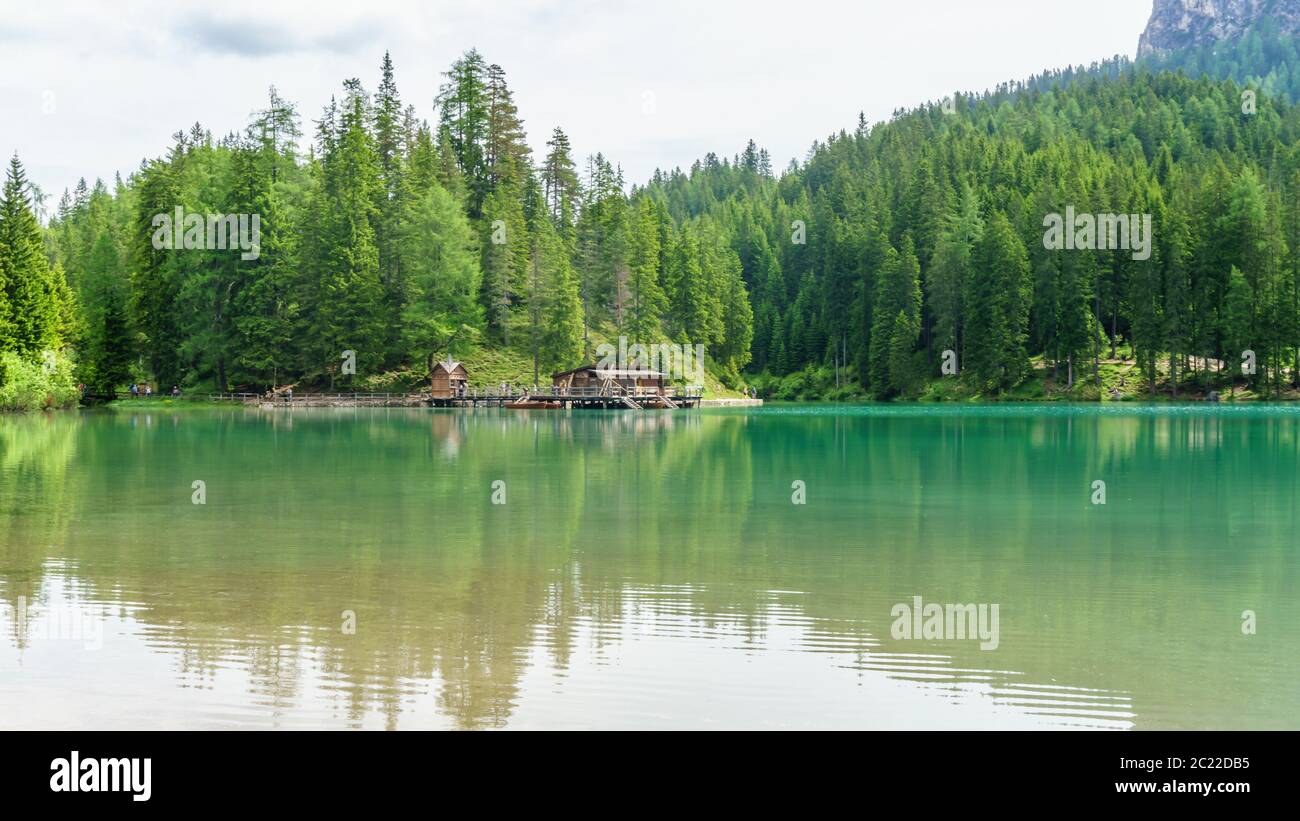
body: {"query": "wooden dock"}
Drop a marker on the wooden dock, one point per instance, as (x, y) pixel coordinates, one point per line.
(588, 398)
(323, 400)
(542, 398)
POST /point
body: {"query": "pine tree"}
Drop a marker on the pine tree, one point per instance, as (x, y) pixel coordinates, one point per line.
(275, 129)
(463, 111)
(450, 175)
(554, 306)
(950, 272)
(113, 350)
(646, 300)
(690, 302)
(1146, 294)
(902, 342)
(506, 152)
(442, 304)
(31, 313)
(155, 284)
(734, 352)
(346, 303)
(105, 304)
(266, 308)
(1175, 265)
(505, 249)
(602, 243)
(998, 308)
(560, 182)
(898, 293)
(1238, 309)
(391, 195)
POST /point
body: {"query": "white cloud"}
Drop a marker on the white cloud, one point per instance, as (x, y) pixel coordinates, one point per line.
(121, 77)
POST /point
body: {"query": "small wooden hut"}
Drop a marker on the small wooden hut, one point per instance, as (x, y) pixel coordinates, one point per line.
(448, 380)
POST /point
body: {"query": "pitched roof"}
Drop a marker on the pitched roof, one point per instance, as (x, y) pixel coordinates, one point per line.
(613, 373)
(450, 365)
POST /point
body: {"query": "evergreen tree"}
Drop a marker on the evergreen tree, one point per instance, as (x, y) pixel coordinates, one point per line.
(898, 294)
(391, 195)
(1237, 320)
(345, 304)
(950, 272)
(266, 308)
(998, 308)
(560, 181)
(29, 312)
(442, 304)
(155, 284)
(554, 305)
(646, 300)
(464, 113)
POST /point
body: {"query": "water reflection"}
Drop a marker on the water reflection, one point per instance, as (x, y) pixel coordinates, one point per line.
(647, 569)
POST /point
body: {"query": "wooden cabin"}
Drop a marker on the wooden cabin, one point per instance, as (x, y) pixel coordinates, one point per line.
(448, 380)
(594, 380)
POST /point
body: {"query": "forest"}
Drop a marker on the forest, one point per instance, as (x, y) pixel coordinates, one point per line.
(1263, 58)
(849, 273)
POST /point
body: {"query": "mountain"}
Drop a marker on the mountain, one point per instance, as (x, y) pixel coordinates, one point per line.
(1264, 56)
(1181, 24)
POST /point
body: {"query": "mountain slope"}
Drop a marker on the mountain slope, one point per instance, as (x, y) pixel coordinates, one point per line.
(925, 235)
(1181, 24)
(1265, 57)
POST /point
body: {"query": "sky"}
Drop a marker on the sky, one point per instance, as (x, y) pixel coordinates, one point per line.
(92, 88)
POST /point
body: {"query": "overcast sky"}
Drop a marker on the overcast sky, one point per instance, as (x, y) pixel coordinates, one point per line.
(90, 88)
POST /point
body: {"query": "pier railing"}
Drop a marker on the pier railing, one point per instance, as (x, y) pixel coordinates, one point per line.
(638, 392)
(234, 397)
(311, 397)
(674, 393)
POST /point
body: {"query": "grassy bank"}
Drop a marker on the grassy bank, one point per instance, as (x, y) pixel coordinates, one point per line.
(488, 368)
(1121, 380)
(163, 403)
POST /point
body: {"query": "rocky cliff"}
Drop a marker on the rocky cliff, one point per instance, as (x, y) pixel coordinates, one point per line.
(1177, 24)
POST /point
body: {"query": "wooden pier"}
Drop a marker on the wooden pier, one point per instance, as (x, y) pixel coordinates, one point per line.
(323, 400)
(541, 398)
(605, 398)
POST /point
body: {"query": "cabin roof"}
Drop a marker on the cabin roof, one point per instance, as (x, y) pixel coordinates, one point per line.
(450, 365)
(613, 373)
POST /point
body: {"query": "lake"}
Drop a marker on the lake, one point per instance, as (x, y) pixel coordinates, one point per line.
(745, 568)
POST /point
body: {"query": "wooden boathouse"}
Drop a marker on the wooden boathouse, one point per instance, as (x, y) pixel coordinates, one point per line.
(448, 380)
(595, 386)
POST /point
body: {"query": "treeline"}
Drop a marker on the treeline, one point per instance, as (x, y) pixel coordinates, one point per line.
(39, 316)
(389, 236)
(926, 235)
(885, 248)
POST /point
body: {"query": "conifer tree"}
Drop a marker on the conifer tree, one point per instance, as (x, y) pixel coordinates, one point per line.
(31, 308)
(646, 300)
(998, 307)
